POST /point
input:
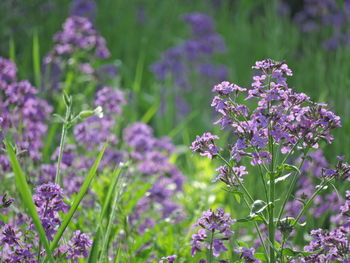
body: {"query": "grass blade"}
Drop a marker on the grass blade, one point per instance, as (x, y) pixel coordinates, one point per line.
(77, 200)
(27, 199)
(94, 252)
(36, 60)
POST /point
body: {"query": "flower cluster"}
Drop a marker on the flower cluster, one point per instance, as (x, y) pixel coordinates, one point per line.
(191, 61)
(78, 34)
(247, 254)
(330, 246)
(48, 199)
(151, 157)
(282, 116)
(22, 113)
(205, 145)
(13, 248)
(83, 8)
(78, 246)
(317, 15)
(213, 232)
(204, 42)
(77, 46)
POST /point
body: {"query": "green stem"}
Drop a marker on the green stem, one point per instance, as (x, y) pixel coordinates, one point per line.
(210, 259)
(271, 219)
(291, 186)
(306, 206)
(237, 179)
(58, 179)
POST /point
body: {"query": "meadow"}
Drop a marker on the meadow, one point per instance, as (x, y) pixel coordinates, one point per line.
(174, 131)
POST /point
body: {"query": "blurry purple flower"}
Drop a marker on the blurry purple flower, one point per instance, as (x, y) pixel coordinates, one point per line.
(205, 145)
(49, 201)
(213, 232)
(78, 246)
(84, 8)
(168, 259)
(110, 99)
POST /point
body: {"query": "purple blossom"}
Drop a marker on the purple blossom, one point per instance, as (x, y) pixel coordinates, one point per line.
(247, 254)
(205, 145)
(23, 114)
(171, 258)
(83, 8)
(110, 99)
(316, 16)
(213, 232)
(78, 246)
(48, 199)
(192, 58)
(10, 235)
(8, 72)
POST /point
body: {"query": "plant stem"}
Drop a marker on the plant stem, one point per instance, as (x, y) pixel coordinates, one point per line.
(58, 179)
(310, 200)
(210, 260)
(237, 178)
(291, 186)
(271, 225)
(271, 219)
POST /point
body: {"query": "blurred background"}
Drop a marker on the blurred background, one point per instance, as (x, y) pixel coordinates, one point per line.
(169, 65)
(167, 55)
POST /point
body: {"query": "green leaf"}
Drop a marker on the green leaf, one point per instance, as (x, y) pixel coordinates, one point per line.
(242, 244)
(237, 197)
(257, 207)
(292, 253)
(107, 234)
(250, 219)
(150, 113)
(94, 252)
(288, 167)
(281, 178)
(260, 256)
(77, 200)
(26, 195)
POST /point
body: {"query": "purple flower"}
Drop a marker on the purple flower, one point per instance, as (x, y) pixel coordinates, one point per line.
(247, 254)
(10, 235)
(78, 246)
(83, 8)
(205, 145)
(226, 88)
(49, 201)
(110, 99)
(213, 232)
(23, 114)
(8, 72)
(171, 258)
(6, 202)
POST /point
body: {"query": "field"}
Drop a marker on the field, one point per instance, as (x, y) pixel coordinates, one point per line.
(174, 131)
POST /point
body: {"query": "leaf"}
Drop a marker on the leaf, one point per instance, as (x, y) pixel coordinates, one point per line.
(288, 167)
(36, 60)
(242, 244)
(26, 195)
(237, 197)
(257, 207)
(107, 233)
(290, 220)
(281, 178)
(293, 253)
(260, 256)
(94, 252)
(77, 200)
(250, 219)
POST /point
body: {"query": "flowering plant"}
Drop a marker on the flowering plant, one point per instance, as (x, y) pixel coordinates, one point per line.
(282, 125)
